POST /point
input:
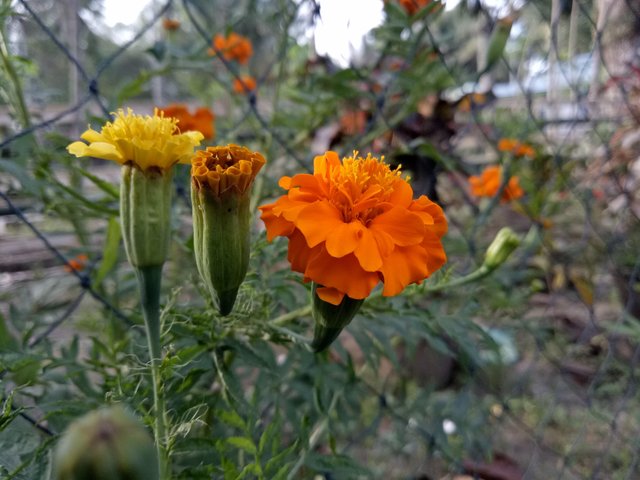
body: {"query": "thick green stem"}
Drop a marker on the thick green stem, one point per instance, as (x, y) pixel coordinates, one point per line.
(149, 279)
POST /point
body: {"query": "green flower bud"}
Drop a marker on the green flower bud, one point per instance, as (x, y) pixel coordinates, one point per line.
(145, 207)
(330, 319)
(501, 248)
(106, 444)
(220, 193)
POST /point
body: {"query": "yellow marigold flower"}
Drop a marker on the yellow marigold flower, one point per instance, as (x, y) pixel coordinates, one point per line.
(221, 179)
(146, 141)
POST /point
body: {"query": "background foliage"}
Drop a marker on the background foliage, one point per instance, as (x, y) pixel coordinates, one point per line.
(529, 373)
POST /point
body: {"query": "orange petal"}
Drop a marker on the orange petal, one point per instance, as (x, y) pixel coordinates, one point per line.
(344, 239)
(343, 274)
(317, 220)
(299, 252)
(275, 225)
(402, 193)
(405, 265)
(404, 227)
(330, 295)
(436, 254)
(368, 252)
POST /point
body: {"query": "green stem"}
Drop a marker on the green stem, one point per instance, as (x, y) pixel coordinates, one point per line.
(20, 105)
(149, 279)
(287, 317)
(481, 272)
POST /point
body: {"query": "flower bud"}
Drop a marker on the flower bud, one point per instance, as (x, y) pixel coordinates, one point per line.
(330, 319)
(145, 207)
(106, 444)
(220, 194)
(503, 245)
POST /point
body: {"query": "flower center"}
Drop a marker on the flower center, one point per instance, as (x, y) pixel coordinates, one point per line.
(129, 126)
(361, 187)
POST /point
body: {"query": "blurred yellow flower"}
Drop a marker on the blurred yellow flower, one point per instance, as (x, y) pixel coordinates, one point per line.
(146, 141)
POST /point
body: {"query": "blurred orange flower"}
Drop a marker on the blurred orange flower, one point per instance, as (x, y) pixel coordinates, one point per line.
(170, 24)
(472, 100)
(412, 6)
(517, 148)
(507, 144)
(488, 182)
(354, 223)
(78, 263)
(524, 150)
(201, 121)
(353, 122)
(244, 84)
(232, 47)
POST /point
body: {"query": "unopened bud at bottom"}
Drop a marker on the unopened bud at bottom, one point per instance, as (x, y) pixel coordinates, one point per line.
(106, 444)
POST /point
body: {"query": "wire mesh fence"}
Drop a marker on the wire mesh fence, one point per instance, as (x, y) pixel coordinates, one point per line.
(528, 373)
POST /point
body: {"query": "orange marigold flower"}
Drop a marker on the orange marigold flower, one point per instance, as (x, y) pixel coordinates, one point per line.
(170, 24)
(524, 150)
(232, 47)
(515, 147)
(507, 144)
(244, 84)
(488, 183)
(201, 121)
(353, 224)
(78, 263)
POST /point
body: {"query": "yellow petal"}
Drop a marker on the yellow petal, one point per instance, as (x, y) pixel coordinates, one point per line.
(92, 136)
(102, 150)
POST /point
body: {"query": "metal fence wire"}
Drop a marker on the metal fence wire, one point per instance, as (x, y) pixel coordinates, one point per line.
(561, 400)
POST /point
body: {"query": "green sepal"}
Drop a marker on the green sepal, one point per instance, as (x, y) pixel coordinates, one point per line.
(145, 214)
(330, 319)
(221, 234)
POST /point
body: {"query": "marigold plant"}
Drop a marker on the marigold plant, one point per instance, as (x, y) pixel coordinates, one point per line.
(354, 224)
(232, 47)
(488, 182)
